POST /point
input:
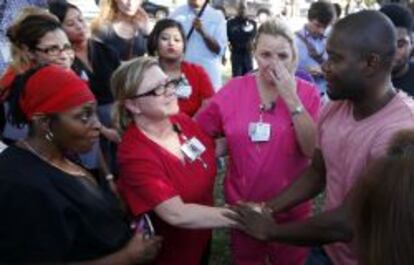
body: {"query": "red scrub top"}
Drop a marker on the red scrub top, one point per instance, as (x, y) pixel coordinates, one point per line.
(201, 88)
(150, 175)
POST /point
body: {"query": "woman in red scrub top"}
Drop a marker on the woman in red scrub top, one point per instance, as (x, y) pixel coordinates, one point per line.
(166, 162)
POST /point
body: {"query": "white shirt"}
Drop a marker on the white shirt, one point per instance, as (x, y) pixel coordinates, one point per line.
(2, 146)
(197, 52)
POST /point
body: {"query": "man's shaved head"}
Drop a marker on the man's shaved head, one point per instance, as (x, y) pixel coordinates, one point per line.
(368, 32)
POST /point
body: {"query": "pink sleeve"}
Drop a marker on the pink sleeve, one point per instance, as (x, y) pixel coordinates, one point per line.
(323, 115)
(209, 118)
(143, 184)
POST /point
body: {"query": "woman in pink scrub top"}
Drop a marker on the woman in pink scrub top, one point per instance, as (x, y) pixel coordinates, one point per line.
(268, 119)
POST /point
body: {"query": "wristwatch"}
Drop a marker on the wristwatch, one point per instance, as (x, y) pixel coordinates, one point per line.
(298, 110)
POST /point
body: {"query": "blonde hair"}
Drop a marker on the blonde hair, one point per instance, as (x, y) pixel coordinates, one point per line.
(20, 59)
(107, 15)
(125, 83)
(278, 28)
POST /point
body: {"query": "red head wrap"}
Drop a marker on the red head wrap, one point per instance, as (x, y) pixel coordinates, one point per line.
(53, 89)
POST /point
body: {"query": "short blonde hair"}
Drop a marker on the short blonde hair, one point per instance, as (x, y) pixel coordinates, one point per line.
(278, 28)
(125, 83)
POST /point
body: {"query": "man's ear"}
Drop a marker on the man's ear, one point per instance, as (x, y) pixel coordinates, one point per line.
(132, 106)
(372, 63)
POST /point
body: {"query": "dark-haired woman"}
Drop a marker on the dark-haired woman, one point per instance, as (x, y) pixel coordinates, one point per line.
(167, 41)
(54, 210)
(36, 37)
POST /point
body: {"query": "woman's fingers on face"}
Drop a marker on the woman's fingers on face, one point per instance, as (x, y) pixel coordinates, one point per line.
(281, 68)
(272, 74)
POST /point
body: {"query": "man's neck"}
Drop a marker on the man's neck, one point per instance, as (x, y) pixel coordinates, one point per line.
(195, 9)
(313, 34)
(370, 105)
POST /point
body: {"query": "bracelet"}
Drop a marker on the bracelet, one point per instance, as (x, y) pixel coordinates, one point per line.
(298, 110)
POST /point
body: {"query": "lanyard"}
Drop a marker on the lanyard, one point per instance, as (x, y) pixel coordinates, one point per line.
(266, 108)
(191, 144)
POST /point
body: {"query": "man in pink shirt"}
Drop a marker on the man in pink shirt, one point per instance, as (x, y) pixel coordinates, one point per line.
(353, 129)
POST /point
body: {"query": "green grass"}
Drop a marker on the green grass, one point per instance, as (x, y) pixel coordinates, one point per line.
(220, 251)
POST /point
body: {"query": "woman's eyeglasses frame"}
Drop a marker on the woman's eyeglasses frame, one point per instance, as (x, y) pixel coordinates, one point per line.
(161, 89)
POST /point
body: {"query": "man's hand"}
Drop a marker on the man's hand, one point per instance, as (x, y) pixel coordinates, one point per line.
(198, 25)
(210, 42)
(254, 219)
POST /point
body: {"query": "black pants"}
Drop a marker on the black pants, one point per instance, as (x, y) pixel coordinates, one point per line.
(241, 63)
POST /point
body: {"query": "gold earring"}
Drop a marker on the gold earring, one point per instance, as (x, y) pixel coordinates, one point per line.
(49, 136)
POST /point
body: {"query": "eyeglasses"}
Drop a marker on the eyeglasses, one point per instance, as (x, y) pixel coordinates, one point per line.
(160, 90)
(55, 50)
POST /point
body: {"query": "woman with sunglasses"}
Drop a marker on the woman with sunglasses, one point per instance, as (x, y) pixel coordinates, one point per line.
(54, 211)
(166, 163)
(167, 41)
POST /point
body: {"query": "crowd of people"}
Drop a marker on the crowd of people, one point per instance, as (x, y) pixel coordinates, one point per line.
(121, 127)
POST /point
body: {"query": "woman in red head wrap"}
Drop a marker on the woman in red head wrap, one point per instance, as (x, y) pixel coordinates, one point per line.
(54, 210)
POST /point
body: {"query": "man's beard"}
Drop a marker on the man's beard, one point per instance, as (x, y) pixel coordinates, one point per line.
(399, 67)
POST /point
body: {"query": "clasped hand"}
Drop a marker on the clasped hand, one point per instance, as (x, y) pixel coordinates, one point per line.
(198, 25)
(255, 219)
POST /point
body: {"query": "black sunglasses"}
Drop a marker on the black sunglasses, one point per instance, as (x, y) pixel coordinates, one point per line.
(161, 89)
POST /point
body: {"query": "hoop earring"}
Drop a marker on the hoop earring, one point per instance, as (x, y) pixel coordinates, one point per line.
(49, 136)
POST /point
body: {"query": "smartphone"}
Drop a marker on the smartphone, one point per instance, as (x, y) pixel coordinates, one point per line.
(144, 225)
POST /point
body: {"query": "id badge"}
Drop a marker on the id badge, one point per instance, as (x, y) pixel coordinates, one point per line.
(259, 131)
(183, 91)
(193, 149)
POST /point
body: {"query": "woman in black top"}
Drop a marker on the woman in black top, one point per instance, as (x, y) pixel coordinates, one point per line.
(53, 210)
(94, 62)
(123, 25)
